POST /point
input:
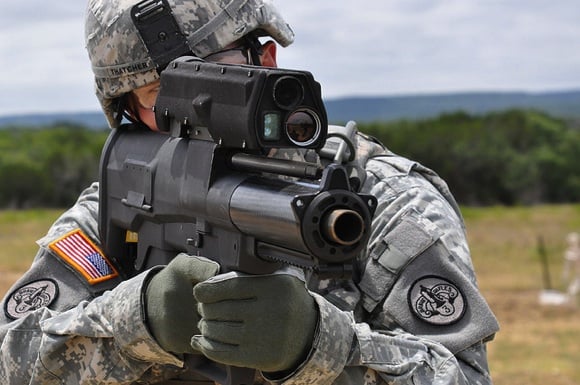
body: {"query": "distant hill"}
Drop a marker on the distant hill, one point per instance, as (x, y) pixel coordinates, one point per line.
(90, 119)
(364, 109)
(565, 104)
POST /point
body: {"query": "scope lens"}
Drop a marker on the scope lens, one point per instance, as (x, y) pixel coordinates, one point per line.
(288, 92)
(303, 127)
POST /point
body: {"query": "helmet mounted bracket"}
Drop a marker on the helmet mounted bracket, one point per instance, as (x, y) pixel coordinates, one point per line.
(159, 32)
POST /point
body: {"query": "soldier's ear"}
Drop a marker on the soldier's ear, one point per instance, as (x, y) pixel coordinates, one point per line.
(268, 56)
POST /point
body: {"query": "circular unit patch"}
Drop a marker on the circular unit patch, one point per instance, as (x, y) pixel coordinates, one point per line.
(436, 300)
(30, 297)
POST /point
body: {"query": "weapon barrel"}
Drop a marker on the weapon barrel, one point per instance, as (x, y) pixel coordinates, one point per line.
(328, 224)
(263, 208)
(343, 226)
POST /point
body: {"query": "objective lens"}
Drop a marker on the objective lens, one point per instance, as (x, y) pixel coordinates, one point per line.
(302, 127)
(288, 92)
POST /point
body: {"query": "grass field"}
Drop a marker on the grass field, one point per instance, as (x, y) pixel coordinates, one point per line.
(537, 345)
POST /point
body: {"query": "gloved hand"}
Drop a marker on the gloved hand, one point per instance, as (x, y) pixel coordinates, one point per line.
(265, 322)
(170, 306)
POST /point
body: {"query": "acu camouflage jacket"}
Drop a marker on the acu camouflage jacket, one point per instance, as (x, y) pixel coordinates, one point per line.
(413, 315)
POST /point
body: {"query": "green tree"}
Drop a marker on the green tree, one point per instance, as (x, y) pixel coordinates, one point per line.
(47, 166)
(507, 157)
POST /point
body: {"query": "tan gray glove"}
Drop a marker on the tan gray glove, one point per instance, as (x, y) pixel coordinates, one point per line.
(265, 322)
(171, 308)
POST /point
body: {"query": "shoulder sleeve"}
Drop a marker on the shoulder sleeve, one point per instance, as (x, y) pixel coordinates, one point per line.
(55, 279)
(419, 275)
(75, 328)
(73, 241)
(433, 298)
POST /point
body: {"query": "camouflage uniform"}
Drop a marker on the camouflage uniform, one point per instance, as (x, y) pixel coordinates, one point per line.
(412, 315)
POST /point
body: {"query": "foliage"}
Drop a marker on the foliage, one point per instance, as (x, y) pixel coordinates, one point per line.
(512, 157)
(47, 167)
(509, 157)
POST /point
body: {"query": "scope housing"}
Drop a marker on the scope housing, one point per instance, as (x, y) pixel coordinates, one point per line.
(245, 107)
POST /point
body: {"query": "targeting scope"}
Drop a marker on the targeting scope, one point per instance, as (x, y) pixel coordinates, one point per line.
(245, 107)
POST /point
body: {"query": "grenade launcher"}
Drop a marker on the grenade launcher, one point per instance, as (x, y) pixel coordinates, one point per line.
(207, 185)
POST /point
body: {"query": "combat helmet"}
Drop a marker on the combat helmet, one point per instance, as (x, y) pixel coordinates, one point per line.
(122, 58)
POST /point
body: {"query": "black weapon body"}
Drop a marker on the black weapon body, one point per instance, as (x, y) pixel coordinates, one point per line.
(181, 195)
(206, 185)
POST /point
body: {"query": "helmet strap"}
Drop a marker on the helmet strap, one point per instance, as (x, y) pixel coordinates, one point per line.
(254, 48)
(121, 108)
(118, 108)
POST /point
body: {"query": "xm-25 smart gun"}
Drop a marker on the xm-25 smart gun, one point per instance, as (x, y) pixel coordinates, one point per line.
(207, 184)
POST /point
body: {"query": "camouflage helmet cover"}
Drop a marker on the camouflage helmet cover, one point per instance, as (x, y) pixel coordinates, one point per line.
(120, 60)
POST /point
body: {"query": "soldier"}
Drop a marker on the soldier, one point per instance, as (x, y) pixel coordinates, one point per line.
(413, 313)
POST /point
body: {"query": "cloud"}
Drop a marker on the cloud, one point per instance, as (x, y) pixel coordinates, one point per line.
(17, 13)
(410, 46)
(45, 67)
(374, 47)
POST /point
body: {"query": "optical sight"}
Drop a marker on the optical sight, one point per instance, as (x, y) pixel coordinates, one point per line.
(245, 107)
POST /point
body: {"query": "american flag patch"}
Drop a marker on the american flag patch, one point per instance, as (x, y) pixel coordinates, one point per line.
(84, 256)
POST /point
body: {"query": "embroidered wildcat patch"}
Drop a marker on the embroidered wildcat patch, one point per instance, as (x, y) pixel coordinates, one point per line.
(30, 297)
(436, 300)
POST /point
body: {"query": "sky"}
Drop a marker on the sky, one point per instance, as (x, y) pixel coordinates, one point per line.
(353, 48)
